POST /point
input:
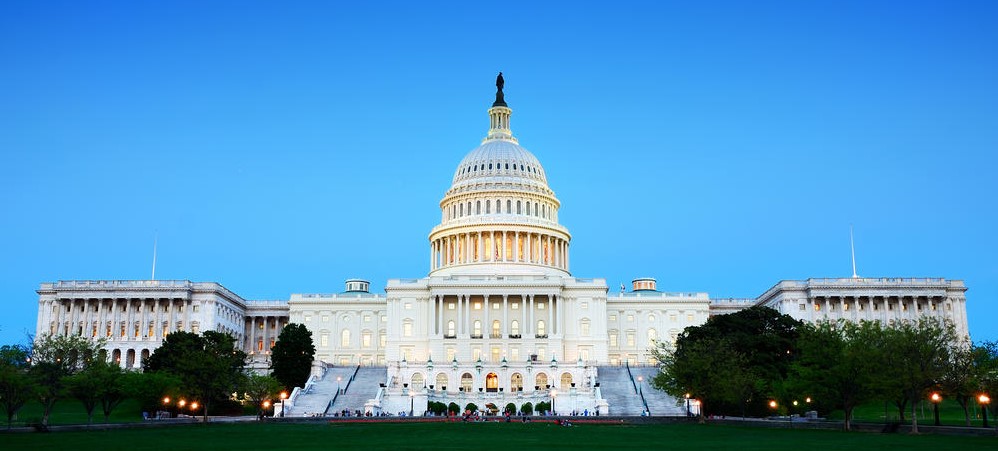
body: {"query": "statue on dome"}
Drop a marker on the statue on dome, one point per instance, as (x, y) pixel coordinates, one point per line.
(500, 100)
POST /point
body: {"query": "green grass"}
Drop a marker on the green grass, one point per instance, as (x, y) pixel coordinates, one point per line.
(950, 414)
(464, 436)
(70, 411)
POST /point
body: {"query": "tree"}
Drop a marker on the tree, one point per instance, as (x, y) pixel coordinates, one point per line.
(527, 409)
(760, 340)
(55, 357)
(838, 363)
(259, 388)
(709, 370)
(453, 408)
(150, 388)
(15, 385)
(918, 352)
(964, 374)
(84, 386)
(292, 355)
(208, 366)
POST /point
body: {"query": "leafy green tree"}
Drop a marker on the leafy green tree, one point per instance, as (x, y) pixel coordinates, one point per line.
(837, 364)
(150, 388)
(510, 409)
(55, 357)
(542, 407)
(527, 409)
(453, 408)
(471, 407)
(16, 387)
(964, 374)
(761, 342)
(258, 389)
(918, 352)
(208, 366)
(292, 355)
(709, 370)
(86, 387)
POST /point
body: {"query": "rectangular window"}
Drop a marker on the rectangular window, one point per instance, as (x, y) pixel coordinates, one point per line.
(450, 354)
(630, 318)
(450, 306)
(408, 305)
(689, 317)
(367, 318)
(383, 340)
(324, 340)
(407, 330)
(630, 339)
(613, 317)
(817, 307)
(495, 306)
(366, 340)
(194, 308)
(514, 306)
(540, 306)
(325, 318)
(478, 305)
(308, 318)
(585, 306)
(801, 307)
(541, 354)
(584, 354)
(585, 329)
(613, 340)
(476, 353)
(514, 354)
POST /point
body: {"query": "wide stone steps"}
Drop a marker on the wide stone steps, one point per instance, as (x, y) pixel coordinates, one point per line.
(363, 388)
(314, 401)
(619, 391)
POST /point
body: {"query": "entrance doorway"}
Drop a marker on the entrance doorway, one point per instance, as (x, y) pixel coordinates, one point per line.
(492, 383)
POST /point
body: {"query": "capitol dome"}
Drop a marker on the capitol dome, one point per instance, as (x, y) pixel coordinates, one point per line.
(499, 209)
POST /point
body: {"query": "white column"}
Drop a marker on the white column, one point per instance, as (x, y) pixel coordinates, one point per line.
(505, 316)
(530, 314)
(560, 317)
(550, 330)
(486, 325)
(502, 254)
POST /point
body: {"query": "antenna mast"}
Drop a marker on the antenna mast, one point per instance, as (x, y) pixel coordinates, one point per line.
(852, 247)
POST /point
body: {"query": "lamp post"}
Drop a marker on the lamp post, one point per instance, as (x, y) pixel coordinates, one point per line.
(984, 400)
(935, 405)
(166, 405)
(688, 413)
(554, 394)
(180, 407)
(284, 395)
(412, 401)
(266, 406)
(338, 379)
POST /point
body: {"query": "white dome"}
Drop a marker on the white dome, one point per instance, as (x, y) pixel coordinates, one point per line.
(500, 162)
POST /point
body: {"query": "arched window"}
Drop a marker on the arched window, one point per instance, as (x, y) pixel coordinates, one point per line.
(584, 327)
(488, 206)
(541, 381)
(416, 383)
(541, 331)
(519, 210)
(460, 210)
(345, 338)
(652, 336)
(496, 332)
(476, 329)
(498, 206)
(516, 382)
(536, 211)
(509, 206)
(478, 207)
(466, 382)
(514, 328)
(651, 318)
(441, 381)
(450, 329)
(566, 381)
(528, 208)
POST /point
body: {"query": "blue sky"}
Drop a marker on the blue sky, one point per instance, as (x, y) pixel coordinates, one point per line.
(718, 147)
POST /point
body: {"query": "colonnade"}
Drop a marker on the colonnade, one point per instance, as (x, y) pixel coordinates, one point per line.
(499, 247)
(882, 308)
(519, 315)
(120, 318)
(262, 331)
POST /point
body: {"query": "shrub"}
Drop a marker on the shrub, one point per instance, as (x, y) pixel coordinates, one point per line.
(471, 407)
(453, 408)
(510, 408)
(527, 409)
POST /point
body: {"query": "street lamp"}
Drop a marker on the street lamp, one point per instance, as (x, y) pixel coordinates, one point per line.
(554, 394)
(180, 407)
(412, 401)
(935, 405)
(266, 406)
(194, 407)
(688, 413)
(338, 379)
(166, 405)
(984, 400)
(284, 395)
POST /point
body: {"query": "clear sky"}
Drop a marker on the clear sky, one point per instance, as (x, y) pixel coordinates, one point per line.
(281, 148)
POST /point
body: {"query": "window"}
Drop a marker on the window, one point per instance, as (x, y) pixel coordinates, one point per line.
(802, 308)
(613, 317)
(651, 318)
(450, 306)
(540, 328)
(496, 332)
(673, 317)
(308, 318)
(817, 307)
(477, 305)
(652, 336)
(514, 327)
(324, 340)
(515, 306)
(613, 338)
(630, 318)
(495, 306)
(689, 317)
(540, 306)
(450, 329)
(514, 354)
(488, 206)
(345, 338)
(584, 328)
(408, 305)
(325, 318)
(451, 354)
(407, 328)
(365, 340)
(477, 328)
(519, 210)
(630, 339)
(194, 307)
(383, 340)
(367, 318)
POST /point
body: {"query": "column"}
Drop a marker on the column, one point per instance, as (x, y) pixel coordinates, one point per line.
(560, 317)
(529, 324)
(505, 316)
(502, 249)
(516, 246)
(550, 330)
(486, 325)
(460, 315)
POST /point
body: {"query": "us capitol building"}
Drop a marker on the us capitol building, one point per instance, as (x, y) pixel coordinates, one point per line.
(499, 318)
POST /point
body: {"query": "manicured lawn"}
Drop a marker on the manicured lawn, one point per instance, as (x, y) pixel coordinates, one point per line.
(950, 413)
(465, 436)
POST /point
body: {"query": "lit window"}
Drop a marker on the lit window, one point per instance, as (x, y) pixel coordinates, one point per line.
(407, 329)
(450, 306)
(817, 307)
(408, 305)
(367, 318)
(324, 340)
(651, 318)
(613, 317)
(584, 328)
(540, 306)
(540, 328)
(613, 339)
(514, 327)
(478, 305)
(345, 338)
(514, 306)
(630, 318)
(630, 339)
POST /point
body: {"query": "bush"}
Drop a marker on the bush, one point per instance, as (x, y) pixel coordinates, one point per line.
(438, 408)
(543, 407)
(471, 407)
(453, 408)
(510, 409)
(527, 409)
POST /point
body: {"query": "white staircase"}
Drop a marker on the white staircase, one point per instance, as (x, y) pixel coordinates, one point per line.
(619, 389)
(364, 387)
(314, 400)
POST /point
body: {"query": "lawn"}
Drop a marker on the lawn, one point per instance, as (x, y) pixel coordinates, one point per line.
(464, 436)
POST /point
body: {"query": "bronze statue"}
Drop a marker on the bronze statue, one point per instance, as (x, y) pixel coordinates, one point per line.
(500, 100)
